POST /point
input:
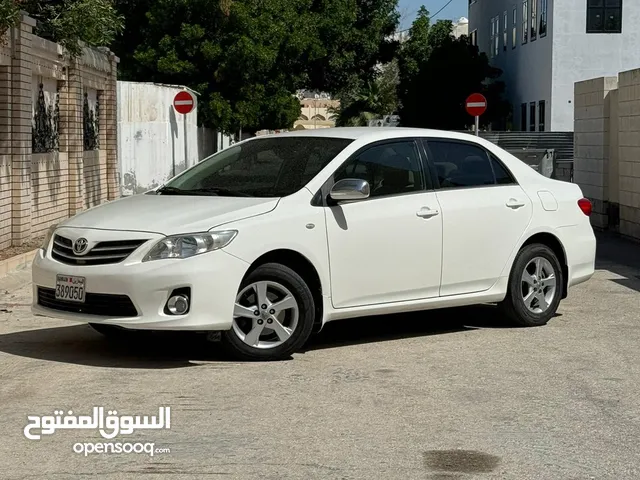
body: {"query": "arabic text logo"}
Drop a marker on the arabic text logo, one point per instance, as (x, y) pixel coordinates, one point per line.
(109, 426)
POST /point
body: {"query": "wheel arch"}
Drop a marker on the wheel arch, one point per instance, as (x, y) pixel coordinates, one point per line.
(554, 243)
(300, 264)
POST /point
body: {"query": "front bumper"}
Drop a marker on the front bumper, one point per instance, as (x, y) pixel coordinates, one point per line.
(213, 278)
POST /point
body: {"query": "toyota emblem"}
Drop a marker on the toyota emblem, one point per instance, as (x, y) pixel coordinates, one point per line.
(80, 246)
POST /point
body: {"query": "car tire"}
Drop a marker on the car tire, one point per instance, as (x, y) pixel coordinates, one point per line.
(533, 298)
(296, 320)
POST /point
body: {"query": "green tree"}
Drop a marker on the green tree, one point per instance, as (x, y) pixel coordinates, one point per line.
(72, 22)
(438, 72)
(247, 58)
(9, 15)
(378, 97)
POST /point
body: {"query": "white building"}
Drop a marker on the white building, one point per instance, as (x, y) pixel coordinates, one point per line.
(544, 48)
(461, 27)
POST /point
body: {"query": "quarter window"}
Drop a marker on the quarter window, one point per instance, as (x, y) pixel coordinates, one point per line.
(503, 177)
(390, 168)
(460, 164)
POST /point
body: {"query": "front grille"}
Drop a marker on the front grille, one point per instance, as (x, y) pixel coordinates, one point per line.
(100, 304)
(102, 253)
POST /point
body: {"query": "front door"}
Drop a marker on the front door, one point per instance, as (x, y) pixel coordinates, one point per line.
(484, 214)
(386, 248)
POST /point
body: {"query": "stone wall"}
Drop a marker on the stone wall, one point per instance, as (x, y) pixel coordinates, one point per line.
(607, 149)
(58, 141)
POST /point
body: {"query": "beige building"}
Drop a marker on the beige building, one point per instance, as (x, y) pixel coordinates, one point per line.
(607, 149)
(315, 111)
(58, 133)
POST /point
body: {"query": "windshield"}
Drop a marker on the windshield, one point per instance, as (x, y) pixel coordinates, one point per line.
(266, 167)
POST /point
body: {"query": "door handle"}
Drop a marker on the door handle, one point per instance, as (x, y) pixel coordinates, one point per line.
(513, 203)
(426, 212)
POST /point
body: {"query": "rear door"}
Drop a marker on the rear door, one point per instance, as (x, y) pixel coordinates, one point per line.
(484, 213)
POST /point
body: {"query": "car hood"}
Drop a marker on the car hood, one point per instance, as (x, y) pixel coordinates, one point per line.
(170, 214)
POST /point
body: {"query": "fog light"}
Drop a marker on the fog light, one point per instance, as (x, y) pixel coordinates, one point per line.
(178, 304)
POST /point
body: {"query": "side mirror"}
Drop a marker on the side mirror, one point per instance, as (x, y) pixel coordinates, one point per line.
(350, 189)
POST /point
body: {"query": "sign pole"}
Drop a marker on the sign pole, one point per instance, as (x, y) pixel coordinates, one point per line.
(186, 162)
(477, 125)
(184, 103)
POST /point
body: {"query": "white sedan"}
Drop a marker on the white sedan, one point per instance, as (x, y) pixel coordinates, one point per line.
(271, 238)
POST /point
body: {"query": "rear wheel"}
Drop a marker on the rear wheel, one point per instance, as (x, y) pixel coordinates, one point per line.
(535, 287)
(273, 315)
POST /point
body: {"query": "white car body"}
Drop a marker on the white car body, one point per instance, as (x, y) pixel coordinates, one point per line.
(429, 249)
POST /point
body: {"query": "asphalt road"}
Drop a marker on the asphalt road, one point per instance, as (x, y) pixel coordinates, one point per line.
(449, 395)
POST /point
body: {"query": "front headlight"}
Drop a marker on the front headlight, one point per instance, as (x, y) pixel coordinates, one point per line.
(188, 245)
(48, 236)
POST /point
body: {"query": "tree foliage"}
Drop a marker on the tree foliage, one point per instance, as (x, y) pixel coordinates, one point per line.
(68, 22)
(247, 58)
(438, 72)
(377, 98)
(9, 15)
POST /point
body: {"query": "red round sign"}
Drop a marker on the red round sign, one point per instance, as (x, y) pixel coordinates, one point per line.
(476, 104)
(184, 102)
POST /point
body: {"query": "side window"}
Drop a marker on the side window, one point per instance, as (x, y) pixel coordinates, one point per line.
(460, 164)
(390, 168)
(503, 177)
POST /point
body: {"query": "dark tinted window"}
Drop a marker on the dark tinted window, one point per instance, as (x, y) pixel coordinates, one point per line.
(604, 16)
(460, 164)
(265, 167)
(390, 168)
(503, 177)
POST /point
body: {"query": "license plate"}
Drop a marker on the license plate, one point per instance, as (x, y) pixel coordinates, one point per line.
(70, 288)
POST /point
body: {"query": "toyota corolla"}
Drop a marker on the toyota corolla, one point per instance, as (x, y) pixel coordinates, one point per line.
(268, 240)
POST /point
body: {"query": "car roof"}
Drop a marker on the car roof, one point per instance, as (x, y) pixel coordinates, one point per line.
(374, 133)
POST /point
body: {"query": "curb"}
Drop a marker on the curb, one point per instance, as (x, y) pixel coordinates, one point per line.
(19, 262)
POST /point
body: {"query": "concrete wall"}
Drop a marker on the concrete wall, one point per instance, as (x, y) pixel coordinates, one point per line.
(591, 143)
(629, 152)
(607, 149)
(152, 146)
(47, 170)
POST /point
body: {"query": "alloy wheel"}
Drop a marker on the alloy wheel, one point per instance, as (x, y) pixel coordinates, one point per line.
(539, 285)
(265, 314)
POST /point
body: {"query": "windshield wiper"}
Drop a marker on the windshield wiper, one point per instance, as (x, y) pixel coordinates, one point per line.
(202, 191)
(169, 190)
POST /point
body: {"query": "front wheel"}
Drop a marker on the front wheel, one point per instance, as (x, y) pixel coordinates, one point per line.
(535, 287)
(273, 315)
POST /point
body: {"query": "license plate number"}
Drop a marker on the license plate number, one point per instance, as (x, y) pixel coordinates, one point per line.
(71, 289)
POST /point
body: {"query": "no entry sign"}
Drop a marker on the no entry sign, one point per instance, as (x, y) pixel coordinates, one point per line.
(476, 104)
(184, 102)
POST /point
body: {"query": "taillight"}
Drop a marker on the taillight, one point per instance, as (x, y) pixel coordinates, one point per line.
(585, 206)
